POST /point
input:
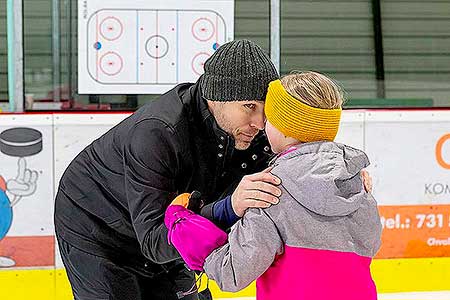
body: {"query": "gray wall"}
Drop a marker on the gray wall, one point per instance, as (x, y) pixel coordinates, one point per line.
(333, 37)
(3, 51)
(417, 49)
(336, 37)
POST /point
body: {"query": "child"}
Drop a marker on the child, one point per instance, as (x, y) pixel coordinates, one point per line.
(318, 242)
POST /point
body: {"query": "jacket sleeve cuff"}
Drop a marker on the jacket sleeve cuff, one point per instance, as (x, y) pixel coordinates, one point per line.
(223, 213)
(207, 212)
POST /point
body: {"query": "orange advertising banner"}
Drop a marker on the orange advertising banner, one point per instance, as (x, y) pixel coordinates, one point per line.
(415, 231)
(29, 251)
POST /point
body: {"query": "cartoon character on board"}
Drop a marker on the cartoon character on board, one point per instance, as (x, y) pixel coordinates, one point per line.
(18, 142)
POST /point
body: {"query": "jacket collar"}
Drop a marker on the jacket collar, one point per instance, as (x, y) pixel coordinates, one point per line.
(208, 122)
(221, 141)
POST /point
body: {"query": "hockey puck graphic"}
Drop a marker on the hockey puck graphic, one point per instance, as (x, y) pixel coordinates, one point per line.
(20, 141)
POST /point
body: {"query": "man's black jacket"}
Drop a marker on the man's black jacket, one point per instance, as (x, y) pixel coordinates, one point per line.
(112, 197)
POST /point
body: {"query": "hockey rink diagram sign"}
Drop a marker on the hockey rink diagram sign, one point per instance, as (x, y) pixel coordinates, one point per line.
(147, 47)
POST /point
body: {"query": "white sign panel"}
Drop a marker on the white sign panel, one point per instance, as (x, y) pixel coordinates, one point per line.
(351, 129)
(26, 191)
(147, 47)
(26, 144)
(411, 156)
(73, 132)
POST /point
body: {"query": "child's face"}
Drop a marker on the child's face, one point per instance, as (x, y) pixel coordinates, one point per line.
(276, 138)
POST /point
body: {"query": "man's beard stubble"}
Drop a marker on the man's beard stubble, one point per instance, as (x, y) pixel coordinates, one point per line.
(226, 125)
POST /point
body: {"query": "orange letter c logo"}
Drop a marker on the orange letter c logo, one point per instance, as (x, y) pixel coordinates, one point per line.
(439, 145)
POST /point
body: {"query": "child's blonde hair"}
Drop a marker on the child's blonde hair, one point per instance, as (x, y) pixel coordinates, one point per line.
(306, 106)
(314, 89)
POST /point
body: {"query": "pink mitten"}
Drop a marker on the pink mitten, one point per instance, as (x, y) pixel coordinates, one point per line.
(194, 236)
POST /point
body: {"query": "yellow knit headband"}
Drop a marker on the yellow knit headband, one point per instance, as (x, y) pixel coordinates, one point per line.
(298, 120)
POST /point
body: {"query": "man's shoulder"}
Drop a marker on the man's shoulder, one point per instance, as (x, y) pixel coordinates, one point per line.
(169, 108)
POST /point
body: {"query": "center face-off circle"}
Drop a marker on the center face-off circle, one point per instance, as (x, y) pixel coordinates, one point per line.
(157, 47)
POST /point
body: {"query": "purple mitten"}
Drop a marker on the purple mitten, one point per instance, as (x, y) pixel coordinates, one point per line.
(194, 236)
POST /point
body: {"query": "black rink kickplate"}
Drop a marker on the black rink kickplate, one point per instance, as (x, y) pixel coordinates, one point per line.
(20, 141)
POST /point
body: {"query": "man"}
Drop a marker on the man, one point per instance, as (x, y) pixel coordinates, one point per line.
(205, 136)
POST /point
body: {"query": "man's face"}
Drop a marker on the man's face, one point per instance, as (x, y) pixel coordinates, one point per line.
(240, 119)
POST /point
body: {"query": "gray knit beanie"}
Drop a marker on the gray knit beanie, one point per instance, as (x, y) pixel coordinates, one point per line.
(238, 70)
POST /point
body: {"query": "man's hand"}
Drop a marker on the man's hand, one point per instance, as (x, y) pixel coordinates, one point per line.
(367, 181)
(256, 190)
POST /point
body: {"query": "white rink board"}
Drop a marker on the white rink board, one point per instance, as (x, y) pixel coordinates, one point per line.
(351, 129)
(402, 148)
(73, 132)
(33, 212)
(147, 47)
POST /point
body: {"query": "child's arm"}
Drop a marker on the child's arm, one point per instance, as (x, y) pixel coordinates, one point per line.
(253, 244)
(194, 236)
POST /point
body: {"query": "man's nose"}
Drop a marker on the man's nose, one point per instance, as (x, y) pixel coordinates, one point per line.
(258, 121)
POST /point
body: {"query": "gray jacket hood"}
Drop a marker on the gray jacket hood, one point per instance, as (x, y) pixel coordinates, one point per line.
(326, 177)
